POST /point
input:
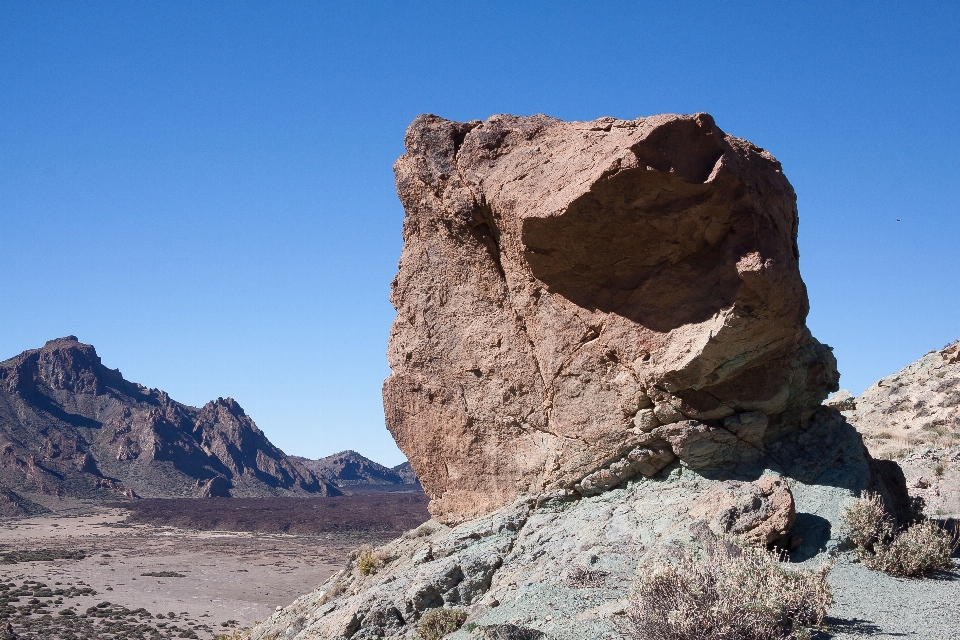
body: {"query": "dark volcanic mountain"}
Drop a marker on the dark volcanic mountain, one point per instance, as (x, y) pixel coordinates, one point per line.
(349, 469)
(70, 426)
(405, 471)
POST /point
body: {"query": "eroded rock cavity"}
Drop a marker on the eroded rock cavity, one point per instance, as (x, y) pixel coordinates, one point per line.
(581, 302)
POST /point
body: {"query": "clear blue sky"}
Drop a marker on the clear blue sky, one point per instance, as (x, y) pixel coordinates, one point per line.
(203, 190)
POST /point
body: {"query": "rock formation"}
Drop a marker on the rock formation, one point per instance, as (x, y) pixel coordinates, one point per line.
(913, 417)
(71, 427)
(580, 302)
(565, 565)
(599, 356)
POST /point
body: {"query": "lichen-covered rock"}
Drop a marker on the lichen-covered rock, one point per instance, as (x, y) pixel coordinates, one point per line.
(566, 288)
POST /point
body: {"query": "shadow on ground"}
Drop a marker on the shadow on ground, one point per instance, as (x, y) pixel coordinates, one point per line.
(853, 626)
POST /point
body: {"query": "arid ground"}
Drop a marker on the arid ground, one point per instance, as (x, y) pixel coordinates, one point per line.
(184, 568)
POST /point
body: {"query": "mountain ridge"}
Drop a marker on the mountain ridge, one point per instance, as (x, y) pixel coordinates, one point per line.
(349, 469)
(72, 427)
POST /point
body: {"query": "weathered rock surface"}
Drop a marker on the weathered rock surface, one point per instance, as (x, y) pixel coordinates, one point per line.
(760, 513)
(565, 565)
(577, 302)
(71, 427)
(913, 417)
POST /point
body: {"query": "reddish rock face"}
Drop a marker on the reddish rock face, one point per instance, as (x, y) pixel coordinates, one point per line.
(568, 288)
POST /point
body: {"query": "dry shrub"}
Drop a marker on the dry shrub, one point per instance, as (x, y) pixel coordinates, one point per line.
(437, 623)
(582, 578)
(369, 561)
(867, 522)
(920, 549)
(924, 547)
(745, 595)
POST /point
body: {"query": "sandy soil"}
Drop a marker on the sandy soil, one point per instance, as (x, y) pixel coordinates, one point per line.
(230, 578)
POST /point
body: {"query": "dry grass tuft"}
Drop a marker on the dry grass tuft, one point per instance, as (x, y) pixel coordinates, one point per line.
(920, 549)
(368, 560)
(437, 623)
(741, 596)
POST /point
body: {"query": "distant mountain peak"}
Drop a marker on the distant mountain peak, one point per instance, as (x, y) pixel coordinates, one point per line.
(349, 469)
(70, 426)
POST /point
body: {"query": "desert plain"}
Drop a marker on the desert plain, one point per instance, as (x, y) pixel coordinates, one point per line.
(165, 581)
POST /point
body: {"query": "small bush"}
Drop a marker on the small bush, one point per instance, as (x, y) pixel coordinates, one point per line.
(743, 595)
(924, 547)
(867, 522)
(368, 560)
(920, 549)
(437, 623)
(41, 555)
(581, 578)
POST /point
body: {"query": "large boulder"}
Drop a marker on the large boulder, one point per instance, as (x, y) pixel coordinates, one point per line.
(599, 361)
(582, 302)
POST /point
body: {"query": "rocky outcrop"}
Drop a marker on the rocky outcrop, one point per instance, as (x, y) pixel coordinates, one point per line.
(565, 565)
(600, 349)
(567, 289)
(913, 417)
(13, 505)
(71, 427)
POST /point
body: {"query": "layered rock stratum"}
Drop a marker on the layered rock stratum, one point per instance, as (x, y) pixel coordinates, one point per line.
(572, 294)
(600, 358)
(72, 428)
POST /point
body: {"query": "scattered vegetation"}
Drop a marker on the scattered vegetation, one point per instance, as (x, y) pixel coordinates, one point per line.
(743, 594)
(437, 623)
(41, 555)
(36, 610)
(918, 550)
(162, 574)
